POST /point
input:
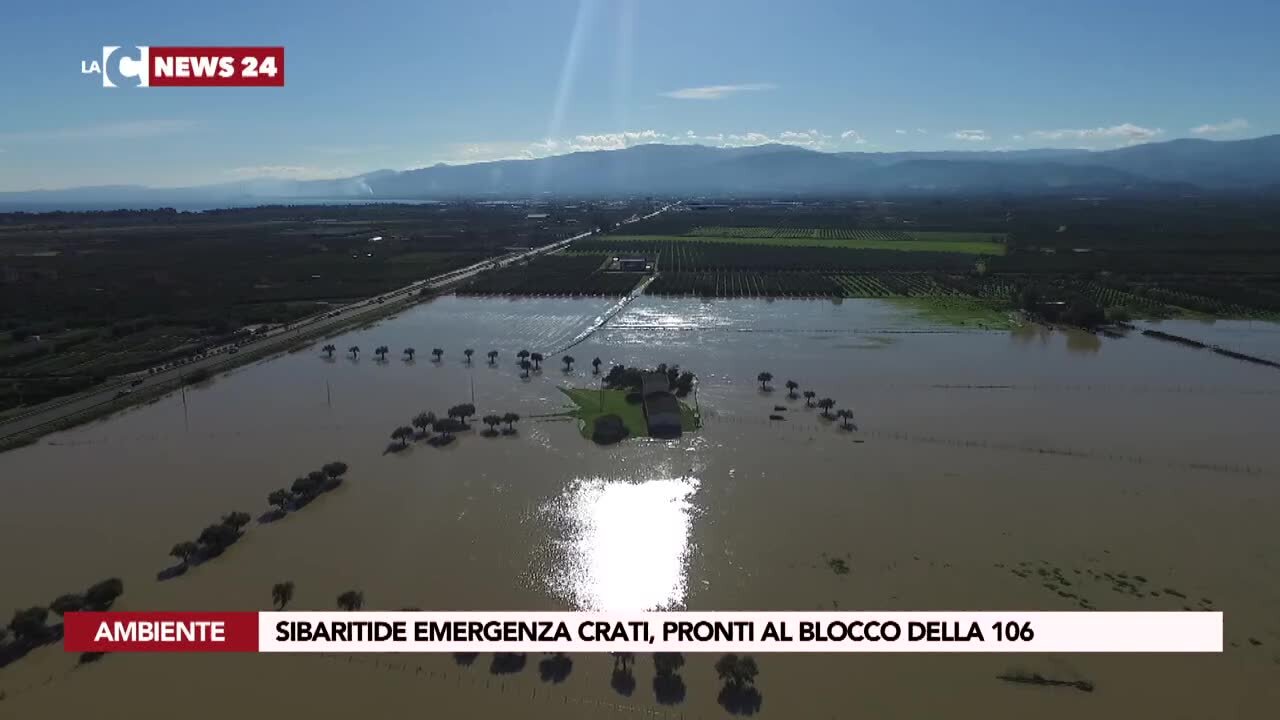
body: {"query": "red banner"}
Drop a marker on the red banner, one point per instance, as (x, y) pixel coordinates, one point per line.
(216, 66)
(160, 632)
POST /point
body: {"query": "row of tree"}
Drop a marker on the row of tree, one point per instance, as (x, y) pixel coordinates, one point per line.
(623, 377)
(826, 403)
(455, 421)
(29, 626)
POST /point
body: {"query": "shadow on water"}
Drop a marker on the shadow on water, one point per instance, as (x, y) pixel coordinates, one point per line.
(507, 663)
(555, 668)
(668, 686)
(623, 680)
(18, 648)
(740, 699)
(465, 659)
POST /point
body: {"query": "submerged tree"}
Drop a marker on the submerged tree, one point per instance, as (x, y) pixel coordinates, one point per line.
(738, 673)
(525, 366)
(410, 352)
(522, 355)
(493, 356)
(437, 352)
(568, 361)
(510, 419)
(826, 404)
(792, 386)
(423, 420)
(351, 600)
(595, 366)
(355, 351)
(846, 418)
(281, 594)
(280, 498)
(381, 351)
(492, 421)
(537, 360)
(28, 626)
(335, 469)
(69, 602)
(809, 395)
(403, 433)
(468, 352)
(236, 520)
(764, 379)
(101, 595)
(329, 349)
(184, 551)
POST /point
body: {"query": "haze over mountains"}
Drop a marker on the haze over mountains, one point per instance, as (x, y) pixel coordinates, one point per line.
(1177, 166)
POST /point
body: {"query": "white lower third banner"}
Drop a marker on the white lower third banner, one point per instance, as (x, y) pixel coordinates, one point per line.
(739, 632)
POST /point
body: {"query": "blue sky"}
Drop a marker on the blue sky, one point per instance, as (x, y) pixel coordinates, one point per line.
(409, 83)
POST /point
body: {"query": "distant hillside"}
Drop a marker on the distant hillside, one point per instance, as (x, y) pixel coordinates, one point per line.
(768, 170)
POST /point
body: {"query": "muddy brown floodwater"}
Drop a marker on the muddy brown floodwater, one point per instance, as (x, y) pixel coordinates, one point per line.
(1027, 470)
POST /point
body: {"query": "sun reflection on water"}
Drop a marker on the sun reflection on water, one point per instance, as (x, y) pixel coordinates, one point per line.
(623, 545)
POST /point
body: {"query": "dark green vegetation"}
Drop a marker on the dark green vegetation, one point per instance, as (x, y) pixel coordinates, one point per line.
(1078, 261)
(84, 296)
(553, 275)
(29, 627)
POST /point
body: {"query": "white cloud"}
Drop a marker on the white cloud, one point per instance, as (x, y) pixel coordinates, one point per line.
(922, 131)
(854, 136)
(1127, 133)
(128, 130)
(1230, 126)
(715, 92)
(971, 135)
(1018, 138)
(900, 131)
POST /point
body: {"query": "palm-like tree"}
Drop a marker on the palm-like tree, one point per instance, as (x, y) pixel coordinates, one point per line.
(522, 355)
(437, 352)
(329, 349)
(468, 352)
(492, 421)
(525, 366)
(351, 600)
(510, 419)
(537, 360)
(568, 361)
(402, 433)
(381, 351)
(280, 498)
(410, 352)
(764, 379)
(809, 395)
(595, 366)
(826, 404)
(846, 418)
(355, 351)
(424, 420)
(281, 594)
(792, 386)
(493, 356)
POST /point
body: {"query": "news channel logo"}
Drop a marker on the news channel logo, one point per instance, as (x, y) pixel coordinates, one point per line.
(120, 66)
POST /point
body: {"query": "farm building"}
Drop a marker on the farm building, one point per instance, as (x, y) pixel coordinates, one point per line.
(661, 409)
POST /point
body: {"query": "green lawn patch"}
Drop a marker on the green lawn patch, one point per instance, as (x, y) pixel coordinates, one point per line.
(592, 403)
(963, 312)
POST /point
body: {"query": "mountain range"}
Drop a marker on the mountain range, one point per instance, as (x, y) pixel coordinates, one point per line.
(1176, 166)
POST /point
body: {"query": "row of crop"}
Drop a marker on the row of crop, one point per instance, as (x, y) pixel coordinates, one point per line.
(745, 284)
(692, 255)
(725, 231)
(551, 275)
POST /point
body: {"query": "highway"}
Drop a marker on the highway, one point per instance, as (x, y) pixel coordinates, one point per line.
(117, 391)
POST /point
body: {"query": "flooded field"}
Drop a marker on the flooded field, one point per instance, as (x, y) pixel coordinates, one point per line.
(984, 465)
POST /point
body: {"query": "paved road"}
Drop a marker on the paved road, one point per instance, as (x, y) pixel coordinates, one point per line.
(117, 390)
